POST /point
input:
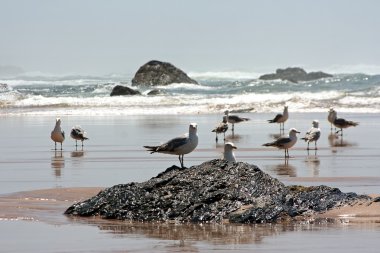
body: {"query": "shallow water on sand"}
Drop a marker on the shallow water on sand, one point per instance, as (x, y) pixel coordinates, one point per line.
(114, 155)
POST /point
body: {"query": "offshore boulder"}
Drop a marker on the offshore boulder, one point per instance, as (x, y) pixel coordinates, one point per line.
(120, 90)
(295, 75)
(160, 73)
(214, 191)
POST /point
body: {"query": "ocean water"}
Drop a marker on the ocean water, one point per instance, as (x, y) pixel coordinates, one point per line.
(216, 92)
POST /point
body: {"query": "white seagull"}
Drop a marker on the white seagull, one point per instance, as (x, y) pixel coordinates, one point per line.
(342, 123)
(234, 119)
(78, 134)
(313, 134)
(285, 142)
(281, 118)
(179, 145)
(221, 128)
(228, 153)
(57, 135)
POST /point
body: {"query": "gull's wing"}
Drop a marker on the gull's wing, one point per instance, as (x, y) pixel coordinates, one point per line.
(173, 144)
(278, 116)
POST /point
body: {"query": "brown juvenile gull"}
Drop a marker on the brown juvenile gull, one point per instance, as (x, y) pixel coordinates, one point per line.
(57, 135)
(221, 128)
(179, 145)
(285, 142)
(313, 134)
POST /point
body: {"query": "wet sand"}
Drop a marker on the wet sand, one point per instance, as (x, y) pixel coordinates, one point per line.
(38, 184)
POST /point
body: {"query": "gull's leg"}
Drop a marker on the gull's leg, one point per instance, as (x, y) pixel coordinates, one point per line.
(216, 137)
(55, 146)
(315, 145)
(61, 145)
(307, 145)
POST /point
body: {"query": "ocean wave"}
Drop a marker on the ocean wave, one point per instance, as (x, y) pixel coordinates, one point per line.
(351, 92)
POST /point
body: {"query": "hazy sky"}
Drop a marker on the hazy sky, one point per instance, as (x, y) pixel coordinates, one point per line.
(100, 37)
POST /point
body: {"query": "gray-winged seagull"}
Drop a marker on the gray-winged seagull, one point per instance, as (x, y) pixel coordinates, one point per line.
(234, 119)
(179, 145)
(228, 153)
(281, 118)
(285, 142)
(78, 134)
(342, 123)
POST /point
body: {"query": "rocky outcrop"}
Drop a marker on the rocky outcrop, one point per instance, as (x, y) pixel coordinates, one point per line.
(294, 75)
(216, 191)
(120, 90)
(160, 73)
(155, 92)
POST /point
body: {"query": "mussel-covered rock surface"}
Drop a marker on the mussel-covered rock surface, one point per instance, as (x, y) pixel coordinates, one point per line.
(214, 191)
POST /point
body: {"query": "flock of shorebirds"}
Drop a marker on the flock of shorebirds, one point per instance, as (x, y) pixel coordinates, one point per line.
(185, 144)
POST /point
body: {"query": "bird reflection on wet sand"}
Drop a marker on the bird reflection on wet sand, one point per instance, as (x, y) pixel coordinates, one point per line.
(336, 141)
(78, 153)
(312, 161)
(57, 162)
(284, 169)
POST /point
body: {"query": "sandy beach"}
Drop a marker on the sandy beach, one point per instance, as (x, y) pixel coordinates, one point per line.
(38, 183)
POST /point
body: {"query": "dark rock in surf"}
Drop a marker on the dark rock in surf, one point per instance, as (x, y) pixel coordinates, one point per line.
(120, 90)
(160, 73)
(294, 75)
(214, 191)
(155, 92)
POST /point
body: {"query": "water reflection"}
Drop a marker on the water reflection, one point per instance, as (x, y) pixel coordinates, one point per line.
(275, 136)
(187, 235)
(284, 169)
(312, 161)
(337, 141)
(235, 137)
(77, 153)
(57, 162)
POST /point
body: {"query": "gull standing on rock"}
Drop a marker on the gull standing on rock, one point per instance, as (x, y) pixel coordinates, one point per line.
(281, 118)
(228, 153)
(57, 135)
(313, 134)
(78, 134)
(179, 145)
(342, 123)
(221, 128)
(234, 119)
(285, 142)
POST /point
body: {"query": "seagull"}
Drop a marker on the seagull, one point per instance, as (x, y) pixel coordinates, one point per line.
(78, 134)
(179, 145)
(313, 134)
(221, 128)
(234, 119)
(285, 142)
(330, 117)
(228, 153)
(281, 118)
(342, 123)
(57, 135)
